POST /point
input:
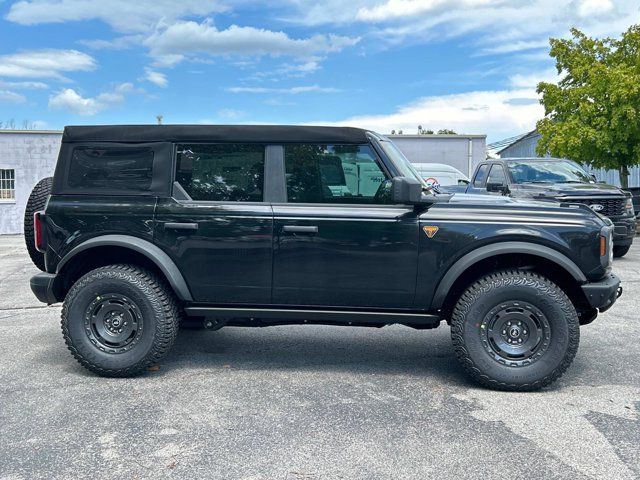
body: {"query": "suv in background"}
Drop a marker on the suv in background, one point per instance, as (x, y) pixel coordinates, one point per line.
(558, 180)
(271, 225)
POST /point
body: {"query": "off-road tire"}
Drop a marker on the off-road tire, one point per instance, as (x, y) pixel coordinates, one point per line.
(36, 202)
(620, 250)
(475, 310)
(154, 302)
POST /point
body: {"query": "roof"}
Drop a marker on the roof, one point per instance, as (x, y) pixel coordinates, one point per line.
(36, 132)
(435, 135)
(213, 133)
(495, 148)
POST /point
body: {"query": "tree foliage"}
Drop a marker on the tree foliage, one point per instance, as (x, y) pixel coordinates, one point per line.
(592, 114)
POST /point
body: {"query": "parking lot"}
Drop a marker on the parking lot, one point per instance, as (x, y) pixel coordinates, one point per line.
(310, 402)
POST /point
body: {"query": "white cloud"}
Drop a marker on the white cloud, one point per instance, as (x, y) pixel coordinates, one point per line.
(24, 85)
(48, 63)
(122, 15)
(500, 114)
(7, 96)
(531, 80)
(230, 113)
(183, 38)
(588, 8)
(157, 78)
(286, 91)
(69, 99)
(408, 8)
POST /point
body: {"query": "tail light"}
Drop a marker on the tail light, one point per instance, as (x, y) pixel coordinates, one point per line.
(38, 231)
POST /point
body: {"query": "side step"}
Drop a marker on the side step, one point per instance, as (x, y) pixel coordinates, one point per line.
(300, 316)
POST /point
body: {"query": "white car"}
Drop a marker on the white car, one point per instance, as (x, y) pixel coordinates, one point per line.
(440, 174)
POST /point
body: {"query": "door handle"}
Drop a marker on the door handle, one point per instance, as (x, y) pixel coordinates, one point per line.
(180, 226)
(300, 229)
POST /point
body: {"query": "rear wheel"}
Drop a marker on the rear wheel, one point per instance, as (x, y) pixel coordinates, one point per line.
(620, 250)
(36, 202)
(515, 330)
(119, 320)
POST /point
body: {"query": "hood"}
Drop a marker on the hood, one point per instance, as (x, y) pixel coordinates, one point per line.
(542, 191)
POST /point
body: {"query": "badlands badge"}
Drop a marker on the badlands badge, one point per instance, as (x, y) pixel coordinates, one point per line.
(430, 230)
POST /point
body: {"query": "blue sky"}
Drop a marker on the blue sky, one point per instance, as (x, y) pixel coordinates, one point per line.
(470, 65)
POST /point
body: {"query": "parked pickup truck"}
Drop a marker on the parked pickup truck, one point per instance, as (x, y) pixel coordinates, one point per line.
(557, 180)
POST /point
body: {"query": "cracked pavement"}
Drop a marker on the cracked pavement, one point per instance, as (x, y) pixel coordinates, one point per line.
(310, 402)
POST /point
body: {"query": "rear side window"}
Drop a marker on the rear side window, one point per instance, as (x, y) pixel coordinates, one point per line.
(497, 176)
(121, 169)
(334, 174)
(480, 176)
(222, 172)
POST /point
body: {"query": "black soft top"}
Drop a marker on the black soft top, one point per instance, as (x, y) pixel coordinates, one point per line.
(213, 133)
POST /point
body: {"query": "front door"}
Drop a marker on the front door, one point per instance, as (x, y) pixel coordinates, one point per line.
(338, 240)
(217, 227)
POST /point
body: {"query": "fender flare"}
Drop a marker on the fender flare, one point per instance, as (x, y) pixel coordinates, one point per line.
(144, 247)
(462, 264)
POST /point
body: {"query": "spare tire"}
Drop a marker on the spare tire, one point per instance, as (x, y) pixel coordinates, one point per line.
(36, 202)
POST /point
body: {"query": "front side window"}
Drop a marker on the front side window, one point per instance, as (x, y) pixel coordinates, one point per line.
(222, 172)
(334, 174)
(496, 175)
(7, 184)
(113, 169)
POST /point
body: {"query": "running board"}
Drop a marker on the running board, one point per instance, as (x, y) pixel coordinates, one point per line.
(344, 317)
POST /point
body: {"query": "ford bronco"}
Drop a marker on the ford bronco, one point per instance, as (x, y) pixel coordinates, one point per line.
(143, 227)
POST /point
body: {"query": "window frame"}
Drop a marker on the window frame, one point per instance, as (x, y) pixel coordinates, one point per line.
(5, 180)
(483, 182)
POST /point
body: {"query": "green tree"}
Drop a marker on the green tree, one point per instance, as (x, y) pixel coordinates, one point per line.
(446, 131)
(592, 114)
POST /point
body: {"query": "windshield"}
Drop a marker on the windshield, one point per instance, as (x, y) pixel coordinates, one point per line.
(552, 171)
(399, 160)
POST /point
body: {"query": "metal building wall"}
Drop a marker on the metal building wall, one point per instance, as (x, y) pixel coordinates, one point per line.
(526, 147)
(448, 149)
(33, 155)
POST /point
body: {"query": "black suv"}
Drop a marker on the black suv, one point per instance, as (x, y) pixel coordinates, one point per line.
(148, 226)
(558, 180)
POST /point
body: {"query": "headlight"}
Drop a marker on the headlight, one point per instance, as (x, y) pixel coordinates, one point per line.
(628, 205)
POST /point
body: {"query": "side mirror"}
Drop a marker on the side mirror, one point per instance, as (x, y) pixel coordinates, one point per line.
(407, 191)
(497, 188)
(593, 177)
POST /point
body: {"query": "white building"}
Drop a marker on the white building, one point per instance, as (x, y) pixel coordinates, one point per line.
(463, 152)
(26, 156)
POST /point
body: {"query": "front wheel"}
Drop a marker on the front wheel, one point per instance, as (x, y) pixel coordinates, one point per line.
(620, 250)
(119, 320)
(515, 330)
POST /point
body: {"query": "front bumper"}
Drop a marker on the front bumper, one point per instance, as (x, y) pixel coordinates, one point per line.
(42, 287)
(603, 293)
(624, 229)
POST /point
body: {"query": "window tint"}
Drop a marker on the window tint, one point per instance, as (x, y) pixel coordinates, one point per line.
(480, 176)
(7, 184)
(222, 172)
(334, 174)
(127, 169)
(496, 175)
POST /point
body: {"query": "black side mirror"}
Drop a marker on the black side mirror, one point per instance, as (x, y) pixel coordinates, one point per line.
(593, 177)
(497, 188)
(407, 191)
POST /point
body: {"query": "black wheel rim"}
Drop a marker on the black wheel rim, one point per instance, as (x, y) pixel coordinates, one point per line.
(113, 323)
(515, 333)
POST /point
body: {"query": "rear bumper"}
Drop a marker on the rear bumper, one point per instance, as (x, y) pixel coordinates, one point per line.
(42, 287)
(603, 293)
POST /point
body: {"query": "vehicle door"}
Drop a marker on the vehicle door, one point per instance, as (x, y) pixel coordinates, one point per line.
(217, 226)
(339, 240)
(497, 180)
(478, 183)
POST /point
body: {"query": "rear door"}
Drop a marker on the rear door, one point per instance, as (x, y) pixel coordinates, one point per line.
(339, 240)
(216, 226)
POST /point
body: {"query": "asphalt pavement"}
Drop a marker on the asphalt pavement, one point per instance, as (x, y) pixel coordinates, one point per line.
(310, 402)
